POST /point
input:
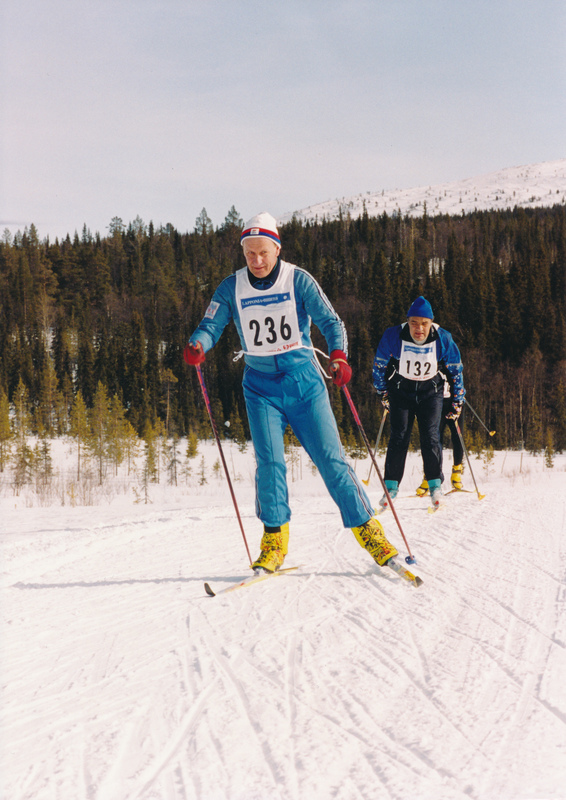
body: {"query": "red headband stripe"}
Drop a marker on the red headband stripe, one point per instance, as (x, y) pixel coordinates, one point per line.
(261, 232)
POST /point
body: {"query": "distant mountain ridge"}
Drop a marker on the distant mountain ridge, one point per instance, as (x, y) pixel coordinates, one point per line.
(530, 186)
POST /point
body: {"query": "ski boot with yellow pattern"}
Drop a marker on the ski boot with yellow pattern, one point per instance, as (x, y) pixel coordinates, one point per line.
(371, 536)
(274, 545)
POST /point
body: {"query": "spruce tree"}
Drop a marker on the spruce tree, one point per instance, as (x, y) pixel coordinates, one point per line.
(6, 433)
(23, 455)
(46, 411)
(61, 414)
(190, 453)
(153, 382)
(61, 353)
(80, 430)
(150, 464)
(560, 417)
(136, 386)
(549, 450)
(168, 381)
(202, 472)
(131, 444)
(117, 433)
(237, 433)
(203, 224)
(534, 438)
(99, 427)
(85, 363)
(173, 461)
(161, 445)
(43, 462)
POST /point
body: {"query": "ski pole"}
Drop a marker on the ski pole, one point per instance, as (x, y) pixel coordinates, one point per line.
(376, 446)
(410, 559)
(480, 496)
(491, 433)
(209, 409)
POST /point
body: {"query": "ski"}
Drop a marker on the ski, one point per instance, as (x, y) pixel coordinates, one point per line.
(436, 509)
(255, 578)
(401, 497)
(467, 491)
(403, 573)
(399, 569)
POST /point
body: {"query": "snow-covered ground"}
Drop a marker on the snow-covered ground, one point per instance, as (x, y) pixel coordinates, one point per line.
(122, 680)
(529, 186)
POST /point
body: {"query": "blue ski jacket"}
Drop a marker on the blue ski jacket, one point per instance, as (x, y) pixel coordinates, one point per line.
(386, 362)
(312, 306)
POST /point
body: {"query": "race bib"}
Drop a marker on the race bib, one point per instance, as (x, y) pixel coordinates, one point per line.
(418, 361)
(268, 318)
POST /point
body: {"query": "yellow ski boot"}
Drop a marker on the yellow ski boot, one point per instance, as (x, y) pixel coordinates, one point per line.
(274, 544)
(371, 536)
(423, 488)
(456, 477)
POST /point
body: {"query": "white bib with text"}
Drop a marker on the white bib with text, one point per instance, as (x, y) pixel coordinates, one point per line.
(418, 361)
(268, 317)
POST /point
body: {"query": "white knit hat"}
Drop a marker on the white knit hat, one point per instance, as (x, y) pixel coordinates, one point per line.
(262, 224)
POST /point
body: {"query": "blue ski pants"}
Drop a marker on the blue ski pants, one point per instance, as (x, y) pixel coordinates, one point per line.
(299, 399)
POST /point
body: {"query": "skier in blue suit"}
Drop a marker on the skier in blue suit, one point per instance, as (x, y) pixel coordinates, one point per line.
(411, 363)
(272, 303)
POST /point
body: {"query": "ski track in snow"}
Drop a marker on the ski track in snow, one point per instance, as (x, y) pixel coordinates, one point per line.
(123, 681)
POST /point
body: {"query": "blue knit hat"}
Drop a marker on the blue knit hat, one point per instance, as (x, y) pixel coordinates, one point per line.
(421, 308)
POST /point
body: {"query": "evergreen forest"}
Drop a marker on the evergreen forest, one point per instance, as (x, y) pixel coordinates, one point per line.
(94, 320)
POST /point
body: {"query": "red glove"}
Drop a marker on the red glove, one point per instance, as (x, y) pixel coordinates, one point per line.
(193, 354)
(340, 367)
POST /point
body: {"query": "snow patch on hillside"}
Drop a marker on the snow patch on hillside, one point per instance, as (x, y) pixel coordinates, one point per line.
(531, 186)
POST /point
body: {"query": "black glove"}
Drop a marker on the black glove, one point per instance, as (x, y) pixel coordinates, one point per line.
(384, 397)
(455, 411)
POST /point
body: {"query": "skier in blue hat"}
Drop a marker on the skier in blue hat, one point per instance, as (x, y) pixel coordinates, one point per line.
(410, 366)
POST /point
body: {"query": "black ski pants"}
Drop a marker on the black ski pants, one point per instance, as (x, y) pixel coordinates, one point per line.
(409, 400)
(457, 449)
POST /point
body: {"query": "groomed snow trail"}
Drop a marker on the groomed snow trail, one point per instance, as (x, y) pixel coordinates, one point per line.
(122, 680)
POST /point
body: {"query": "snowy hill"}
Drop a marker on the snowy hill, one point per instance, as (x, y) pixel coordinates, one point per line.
(122, 680)
(530, 186)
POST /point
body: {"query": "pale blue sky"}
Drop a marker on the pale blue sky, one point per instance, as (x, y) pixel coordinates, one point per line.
(159, 108)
